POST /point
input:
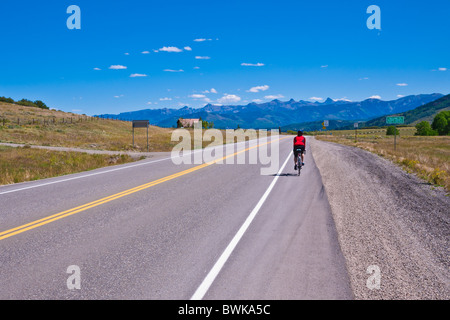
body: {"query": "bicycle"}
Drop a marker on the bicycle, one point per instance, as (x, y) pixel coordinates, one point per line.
(299, 161)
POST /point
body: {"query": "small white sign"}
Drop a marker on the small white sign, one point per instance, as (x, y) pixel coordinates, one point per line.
(355, 125)
(326, 123)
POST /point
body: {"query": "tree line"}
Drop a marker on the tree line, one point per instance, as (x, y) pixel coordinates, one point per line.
(439, 127)
(25, 102)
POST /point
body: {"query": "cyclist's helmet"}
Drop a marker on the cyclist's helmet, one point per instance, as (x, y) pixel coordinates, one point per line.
(300, 133)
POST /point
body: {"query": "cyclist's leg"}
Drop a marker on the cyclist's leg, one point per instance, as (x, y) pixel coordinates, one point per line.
(302, 155)
(295, 159)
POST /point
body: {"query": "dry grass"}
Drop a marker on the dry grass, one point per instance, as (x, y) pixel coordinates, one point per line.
(428, 157)
(77, 131)
(27, 164)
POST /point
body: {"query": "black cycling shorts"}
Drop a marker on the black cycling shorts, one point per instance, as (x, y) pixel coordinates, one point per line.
(298, 149)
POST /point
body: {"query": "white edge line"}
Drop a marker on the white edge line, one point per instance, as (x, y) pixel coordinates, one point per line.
(83, 176)
(207, 282)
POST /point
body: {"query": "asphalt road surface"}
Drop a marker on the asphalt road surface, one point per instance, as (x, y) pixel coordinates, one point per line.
(157, 230)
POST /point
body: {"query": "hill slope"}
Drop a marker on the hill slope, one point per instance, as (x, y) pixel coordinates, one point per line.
(422, 113)
(35, 126)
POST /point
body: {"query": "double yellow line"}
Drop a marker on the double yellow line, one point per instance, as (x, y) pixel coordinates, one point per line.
(67, 213)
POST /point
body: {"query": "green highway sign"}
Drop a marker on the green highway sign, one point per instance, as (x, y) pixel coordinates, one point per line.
(395, 120)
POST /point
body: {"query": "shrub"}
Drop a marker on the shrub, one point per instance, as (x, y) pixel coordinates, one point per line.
(438, 176)
(391, 130)
(424, 129)
(26, 103)
(8, 100)
(441, 123)
(41, 104)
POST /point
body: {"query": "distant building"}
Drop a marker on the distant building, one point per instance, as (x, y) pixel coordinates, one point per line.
(187, 123)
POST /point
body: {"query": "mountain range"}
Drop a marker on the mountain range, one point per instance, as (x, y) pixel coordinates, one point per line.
(425, 112)
(278, 113)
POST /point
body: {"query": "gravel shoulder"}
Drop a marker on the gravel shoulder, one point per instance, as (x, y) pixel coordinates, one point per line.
(388, 218)
(135, 155)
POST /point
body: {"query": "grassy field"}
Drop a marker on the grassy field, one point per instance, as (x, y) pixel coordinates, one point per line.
(27, 164)
(36, 126)
(428, 157)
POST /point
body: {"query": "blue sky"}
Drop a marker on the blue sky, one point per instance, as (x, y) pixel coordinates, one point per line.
(179, 53)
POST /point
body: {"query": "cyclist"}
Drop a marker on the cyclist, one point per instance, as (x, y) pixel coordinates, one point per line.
(299, 147)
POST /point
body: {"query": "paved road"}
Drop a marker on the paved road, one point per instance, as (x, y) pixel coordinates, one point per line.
(156, 230)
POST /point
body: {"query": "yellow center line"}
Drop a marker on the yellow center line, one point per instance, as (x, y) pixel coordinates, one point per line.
(67, 213)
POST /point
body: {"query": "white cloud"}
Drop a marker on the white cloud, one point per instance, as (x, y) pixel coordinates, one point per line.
(188, 48)
(229, 98)
(117, 67)
(117, 97)
(145, 52)
(202, 58)
(138, 75)
(165, 99)
(402, 84)
(273, 97)
(149, 103)
(202, 39)
(400, 96)
(252, 64)
(344, 99)
(196, 67)
(324, 66)
(316, 99)
(197, 96)
(257, 100)
(170, 49)
(97, 69)
(126, 53)
(375, 97)
(170, 70)
(213, 90)
(442, 69)
(259, 88)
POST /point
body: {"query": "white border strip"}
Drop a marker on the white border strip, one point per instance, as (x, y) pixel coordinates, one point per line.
(207, 282)
(83, 176)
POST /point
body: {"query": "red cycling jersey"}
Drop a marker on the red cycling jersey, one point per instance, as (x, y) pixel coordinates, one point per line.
(299, 141)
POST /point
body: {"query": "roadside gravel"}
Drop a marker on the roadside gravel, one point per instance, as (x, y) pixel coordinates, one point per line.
(388, 218)
(135, 155)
